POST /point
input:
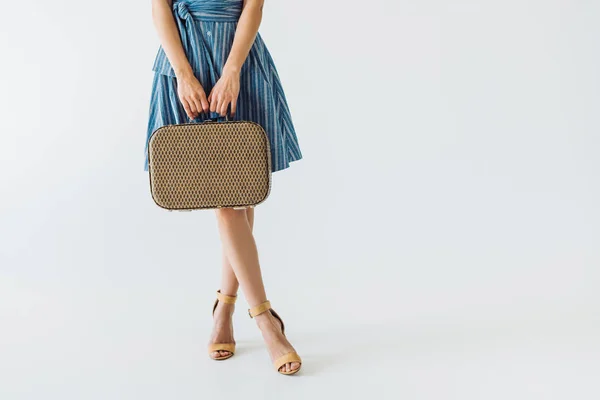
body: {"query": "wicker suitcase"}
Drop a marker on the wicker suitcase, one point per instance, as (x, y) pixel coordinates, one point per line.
(209, 165)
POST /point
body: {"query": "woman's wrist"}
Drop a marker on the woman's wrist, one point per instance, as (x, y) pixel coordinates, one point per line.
(183, 73)
(231, 70)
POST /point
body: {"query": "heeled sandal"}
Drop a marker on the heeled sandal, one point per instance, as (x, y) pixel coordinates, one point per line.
(230, 347)
(286, 358)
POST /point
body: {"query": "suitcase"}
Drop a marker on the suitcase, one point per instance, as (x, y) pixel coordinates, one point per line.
(209, 165)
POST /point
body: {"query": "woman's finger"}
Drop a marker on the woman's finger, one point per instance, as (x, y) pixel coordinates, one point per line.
(187, 109)
(213, 102)
(219, 104)
(223, 107)
(203, 102)
(197, 104)
(192, 104)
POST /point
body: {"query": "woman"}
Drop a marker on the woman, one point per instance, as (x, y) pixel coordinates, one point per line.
(213, 47)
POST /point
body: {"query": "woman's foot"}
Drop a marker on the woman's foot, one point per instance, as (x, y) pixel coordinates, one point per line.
(277, 343)
(223, 328)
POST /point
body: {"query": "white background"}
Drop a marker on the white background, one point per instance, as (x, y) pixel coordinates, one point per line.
(439, 239)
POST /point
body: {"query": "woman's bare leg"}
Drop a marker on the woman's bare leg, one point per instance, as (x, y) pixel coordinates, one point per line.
(223, 329)
(235, 232)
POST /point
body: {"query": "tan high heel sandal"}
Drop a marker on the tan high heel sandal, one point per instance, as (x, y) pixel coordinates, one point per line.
(230, 347)
(286, 358)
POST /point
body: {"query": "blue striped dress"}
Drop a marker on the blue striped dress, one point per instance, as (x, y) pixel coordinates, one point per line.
(207, 29)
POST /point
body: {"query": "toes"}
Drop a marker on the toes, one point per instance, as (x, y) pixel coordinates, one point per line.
(219, 353)
(289, 367)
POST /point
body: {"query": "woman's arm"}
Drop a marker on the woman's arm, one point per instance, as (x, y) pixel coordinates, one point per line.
(190, 91)
(245, 33)
(227, 88)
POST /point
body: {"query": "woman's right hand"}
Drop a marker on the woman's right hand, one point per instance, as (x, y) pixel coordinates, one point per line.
(192, 95)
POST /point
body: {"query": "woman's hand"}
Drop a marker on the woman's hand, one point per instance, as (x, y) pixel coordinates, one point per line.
(225, 92)
(192, 96)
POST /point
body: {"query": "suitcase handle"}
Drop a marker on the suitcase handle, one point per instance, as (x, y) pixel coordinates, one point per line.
(213, 119)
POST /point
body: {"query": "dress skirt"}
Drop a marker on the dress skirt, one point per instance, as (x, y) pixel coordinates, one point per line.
(207, 29)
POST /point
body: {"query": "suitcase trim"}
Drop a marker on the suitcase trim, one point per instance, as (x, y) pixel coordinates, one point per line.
(234, 206)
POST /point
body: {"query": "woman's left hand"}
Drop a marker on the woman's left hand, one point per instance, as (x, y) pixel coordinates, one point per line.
(225, 92)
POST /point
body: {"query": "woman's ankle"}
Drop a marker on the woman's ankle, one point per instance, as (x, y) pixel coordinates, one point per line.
(228, 309)
(266, 320)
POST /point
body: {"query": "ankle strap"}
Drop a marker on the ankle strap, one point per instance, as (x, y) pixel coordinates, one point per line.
(259, 309)
(225, 298)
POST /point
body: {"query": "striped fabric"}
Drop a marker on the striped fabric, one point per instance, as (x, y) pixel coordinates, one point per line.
(207, 29)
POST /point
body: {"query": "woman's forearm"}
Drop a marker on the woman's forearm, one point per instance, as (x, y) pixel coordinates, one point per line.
(168, 34)
(245, 34)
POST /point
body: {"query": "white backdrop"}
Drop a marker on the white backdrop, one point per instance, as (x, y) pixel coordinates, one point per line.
(439, 239)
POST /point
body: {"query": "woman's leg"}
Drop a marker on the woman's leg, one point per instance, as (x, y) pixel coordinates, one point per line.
(223, 329)
(238, 242)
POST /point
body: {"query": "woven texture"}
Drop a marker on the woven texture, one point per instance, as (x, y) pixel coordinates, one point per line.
(209, 165)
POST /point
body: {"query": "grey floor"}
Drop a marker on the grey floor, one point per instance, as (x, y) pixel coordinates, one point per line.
(130, 345)
(147, 341)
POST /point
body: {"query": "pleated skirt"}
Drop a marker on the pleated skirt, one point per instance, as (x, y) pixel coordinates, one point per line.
(207, 29)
